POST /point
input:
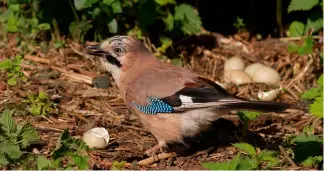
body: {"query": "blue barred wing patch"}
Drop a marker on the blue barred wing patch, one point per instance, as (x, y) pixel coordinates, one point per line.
(155, 106)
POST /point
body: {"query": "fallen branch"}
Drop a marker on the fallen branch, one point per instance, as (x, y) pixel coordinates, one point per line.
(282, 150)
(155, 158)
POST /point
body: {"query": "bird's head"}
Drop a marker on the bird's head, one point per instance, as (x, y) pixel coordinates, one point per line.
(118, 53)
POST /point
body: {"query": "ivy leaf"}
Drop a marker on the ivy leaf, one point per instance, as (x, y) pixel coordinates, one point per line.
(169, 22)
(188, 18)
(7, 122)
(296, 29)
(305, 5)
(249, 149)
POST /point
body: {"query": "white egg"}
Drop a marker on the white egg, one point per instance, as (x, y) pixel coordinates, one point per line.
(237, 77)
(234, 63)
(250, 70)
(266, 75)
(96, 137)
(269, 95)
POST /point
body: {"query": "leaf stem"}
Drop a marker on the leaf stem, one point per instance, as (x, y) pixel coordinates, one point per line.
(73, 10)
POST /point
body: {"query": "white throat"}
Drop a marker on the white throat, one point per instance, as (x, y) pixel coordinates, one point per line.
(113, 69)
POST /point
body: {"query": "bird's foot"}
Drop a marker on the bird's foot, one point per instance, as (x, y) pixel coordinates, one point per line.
(152, 151)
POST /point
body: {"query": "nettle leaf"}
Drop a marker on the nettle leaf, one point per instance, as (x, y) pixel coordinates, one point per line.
(305, 5)
(216, 166)
(164, 2)
(7, 122)
(320, 81)
(6, 64)
(265, 153)
(316, 25)
(12, 150)
(317, 107)
(307, 146)
(82, 4)
(312, 161)
(188, 18)
(246, 164)
(3, 160)
(81, 161)
(169, 22)
(234, 163)
(247, 148)
(27, 134)
(251, 115)
(43, 163)
(296, 29)
(311, 94)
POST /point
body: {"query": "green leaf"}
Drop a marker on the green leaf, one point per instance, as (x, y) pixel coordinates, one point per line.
(188, 18)
(169, 22)
(251, 115)
(42, 96)
(176, 62)
(43, 163)
(233, 164)
(6, 64)
(296, 29)
(12, 28)
(320, 81)
(36, 110)
(112, 25)
(118, 165)
(316, 25)
(12, 81)
(247, 148)
(307, 146)
(27, 134)
(246, 164)
(312, 161)
(292, 47)
(307, 47)
(265, 153)
(317, 107)
(147, 14)
(116, 6)
(164, 2)
(44, 26)
(3, 159)
(11, 150)
(14, 7)
(7, 122)
(216, 166)
(82, 4)
(305, 5)
(81, 161)
(311, 94)
(108, 2)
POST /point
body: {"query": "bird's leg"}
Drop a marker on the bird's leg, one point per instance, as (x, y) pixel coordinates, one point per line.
(154, 149)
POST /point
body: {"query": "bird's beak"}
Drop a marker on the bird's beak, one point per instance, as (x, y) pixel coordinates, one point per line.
(96, 50)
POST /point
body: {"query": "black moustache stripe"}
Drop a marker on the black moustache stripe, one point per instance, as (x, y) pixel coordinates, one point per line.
(113, 61)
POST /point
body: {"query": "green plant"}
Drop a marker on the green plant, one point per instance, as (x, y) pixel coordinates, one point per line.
(14, 138)
(39, 104)
(315, 94)
(250, 160)
(117, 165)
(298, 29)
(246, 117)
(68, 154)
(13, 70)
(239, 24)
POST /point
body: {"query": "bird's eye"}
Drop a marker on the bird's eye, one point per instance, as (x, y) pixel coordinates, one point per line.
(117, 50)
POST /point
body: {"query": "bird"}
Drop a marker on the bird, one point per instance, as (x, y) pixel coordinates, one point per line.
(172, 102)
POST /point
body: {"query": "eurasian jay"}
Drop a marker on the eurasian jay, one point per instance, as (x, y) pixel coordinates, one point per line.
(171, 102)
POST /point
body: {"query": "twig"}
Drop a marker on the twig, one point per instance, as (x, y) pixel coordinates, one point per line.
(302, 73)
(38, 59)
(80, 53)
(77, 77)
(286, 39)
(155, 158)
(282, 150)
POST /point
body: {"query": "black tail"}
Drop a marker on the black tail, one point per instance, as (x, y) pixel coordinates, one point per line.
(264, 106)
